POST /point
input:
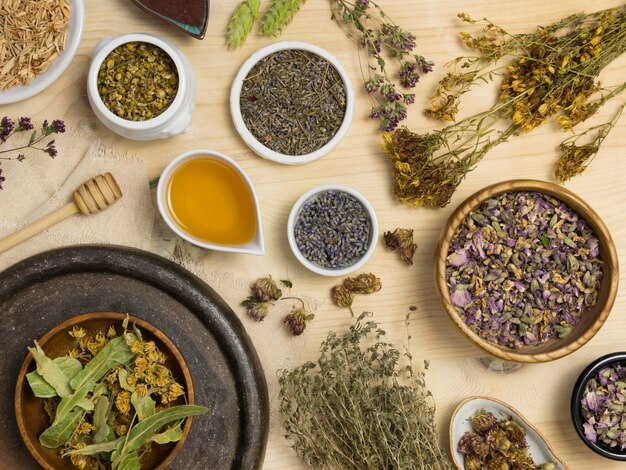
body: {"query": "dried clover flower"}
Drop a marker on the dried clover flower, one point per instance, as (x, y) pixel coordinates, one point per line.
(265, 289)
(296, 320)
(401, 239)
(603, 405)
(497, 444)
(363, 283)
(483, 421)
(342, 296)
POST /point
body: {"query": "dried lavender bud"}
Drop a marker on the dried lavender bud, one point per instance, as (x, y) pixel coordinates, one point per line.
(523, 268)
(514, 432)
(483, 421)
(341, 296)
(264, 289)
(603, 407)
(401, 239)
(296, 321)
(332, 229)
(363, 284)
(257, 310)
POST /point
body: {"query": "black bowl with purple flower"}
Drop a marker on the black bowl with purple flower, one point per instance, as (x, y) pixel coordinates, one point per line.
(599, 406)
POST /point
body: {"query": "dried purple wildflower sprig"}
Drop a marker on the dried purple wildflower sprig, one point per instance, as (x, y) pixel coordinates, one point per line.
(367, 23)
(523, 268)
(603, 405)
(264, 292)
(24, 124)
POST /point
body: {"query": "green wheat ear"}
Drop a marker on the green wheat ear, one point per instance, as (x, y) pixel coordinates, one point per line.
(278, 15)
(241, 22)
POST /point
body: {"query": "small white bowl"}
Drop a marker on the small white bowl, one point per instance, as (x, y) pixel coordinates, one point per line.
(295, 213)
(251, 141)
(56, 68)
(174, 120)
(254, 247)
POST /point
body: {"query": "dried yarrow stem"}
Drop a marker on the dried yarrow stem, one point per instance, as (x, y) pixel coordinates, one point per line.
(32, 35)
(361, 407)
(549, 73)
(603, 405)
(497, 444)
(523, 268)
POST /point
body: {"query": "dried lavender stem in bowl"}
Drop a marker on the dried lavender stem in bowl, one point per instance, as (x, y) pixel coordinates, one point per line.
(332, 230)
(523, 268)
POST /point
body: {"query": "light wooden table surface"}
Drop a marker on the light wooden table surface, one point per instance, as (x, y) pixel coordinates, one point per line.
(541, 392)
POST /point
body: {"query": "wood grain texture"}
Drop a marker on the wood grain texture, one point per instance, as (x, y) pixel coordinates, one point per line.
(540, 391)
(592, 320)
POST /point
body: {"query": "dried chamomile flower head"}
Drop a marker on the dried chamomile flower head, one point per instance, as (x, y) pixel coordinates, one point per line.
(341, 296)
(363, 283)
(401, 239)
(264, 289)
(483, 421)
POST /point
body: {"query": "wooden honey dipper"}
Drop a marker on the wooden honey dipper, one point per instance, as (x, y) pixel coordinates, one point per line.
(92, 196)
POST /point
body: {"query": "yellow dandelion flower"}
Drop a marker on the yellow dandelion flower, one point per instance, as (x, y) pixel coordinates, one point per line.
(84, 428)
(150, 378)
(74, 353)
(175, 391)
(149, 346)
(162, 381)
(162, 371)
(120, 429)
(111, 333)
(153, 356)
(131, 380)
(77, 332)
(122, 402)
(79, 461)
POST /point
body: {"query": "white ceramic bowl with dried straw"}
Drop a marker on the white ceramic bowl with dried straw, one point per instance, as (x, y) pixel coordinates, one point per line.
(247, 136)
(174, 120)
(296, 213)
(55, 69)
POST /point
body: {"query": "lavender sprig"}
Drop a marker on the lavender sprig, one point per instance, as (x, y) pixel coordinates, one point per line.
(24, 124)
(366, 22)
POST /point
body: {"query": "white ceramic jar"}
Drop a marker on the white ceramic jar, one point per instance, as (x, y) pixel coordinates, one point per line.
(174, 120)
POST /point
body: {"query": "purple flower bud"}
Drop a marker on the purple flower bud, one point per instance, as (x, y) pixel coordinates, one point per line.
(58, 126)
(2, 178)
(363, 4)
(52, 151)
(25, 124)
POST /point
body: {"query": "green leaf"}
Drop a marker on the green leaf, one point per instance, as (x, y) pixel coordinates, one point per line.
(130, 462)
(309, 317)
(86, 404)
(241, 22)
(143, 431)
(144, 405)
(278, 15)
(172, 434)
(94, 449)
(39, 387)
(122, 376)
(115, 352)
(60, 432)
(51, 372)
(100, 415)
(33, 136)
(287, 283)
(101, 389)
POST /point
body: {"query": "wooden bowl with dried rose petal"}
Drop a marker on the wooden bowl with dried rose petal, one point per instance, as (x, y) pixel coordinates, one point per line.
(526, 270)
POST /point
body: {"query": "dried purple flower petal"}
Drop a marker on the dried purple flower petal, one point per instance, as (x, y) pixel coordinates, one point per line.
(402, 240)
(2, 178)
(526, 261)
(363, 284)
(24, 124)
(257, 310)
(296, 321)
(342, 296)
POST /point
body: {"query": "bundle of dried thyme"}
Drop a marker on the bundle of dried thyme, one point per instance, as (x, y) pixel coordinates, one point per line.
(360, 407)
(549, 73)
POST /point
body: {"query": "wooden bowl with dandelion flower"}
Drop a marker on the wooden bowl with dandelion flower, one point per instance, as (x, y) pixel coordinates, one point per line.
(526, 270)
(32, 418)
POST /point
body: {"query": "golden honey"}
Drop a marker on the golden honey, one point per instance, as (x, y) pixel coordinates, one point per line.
(209, 200)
